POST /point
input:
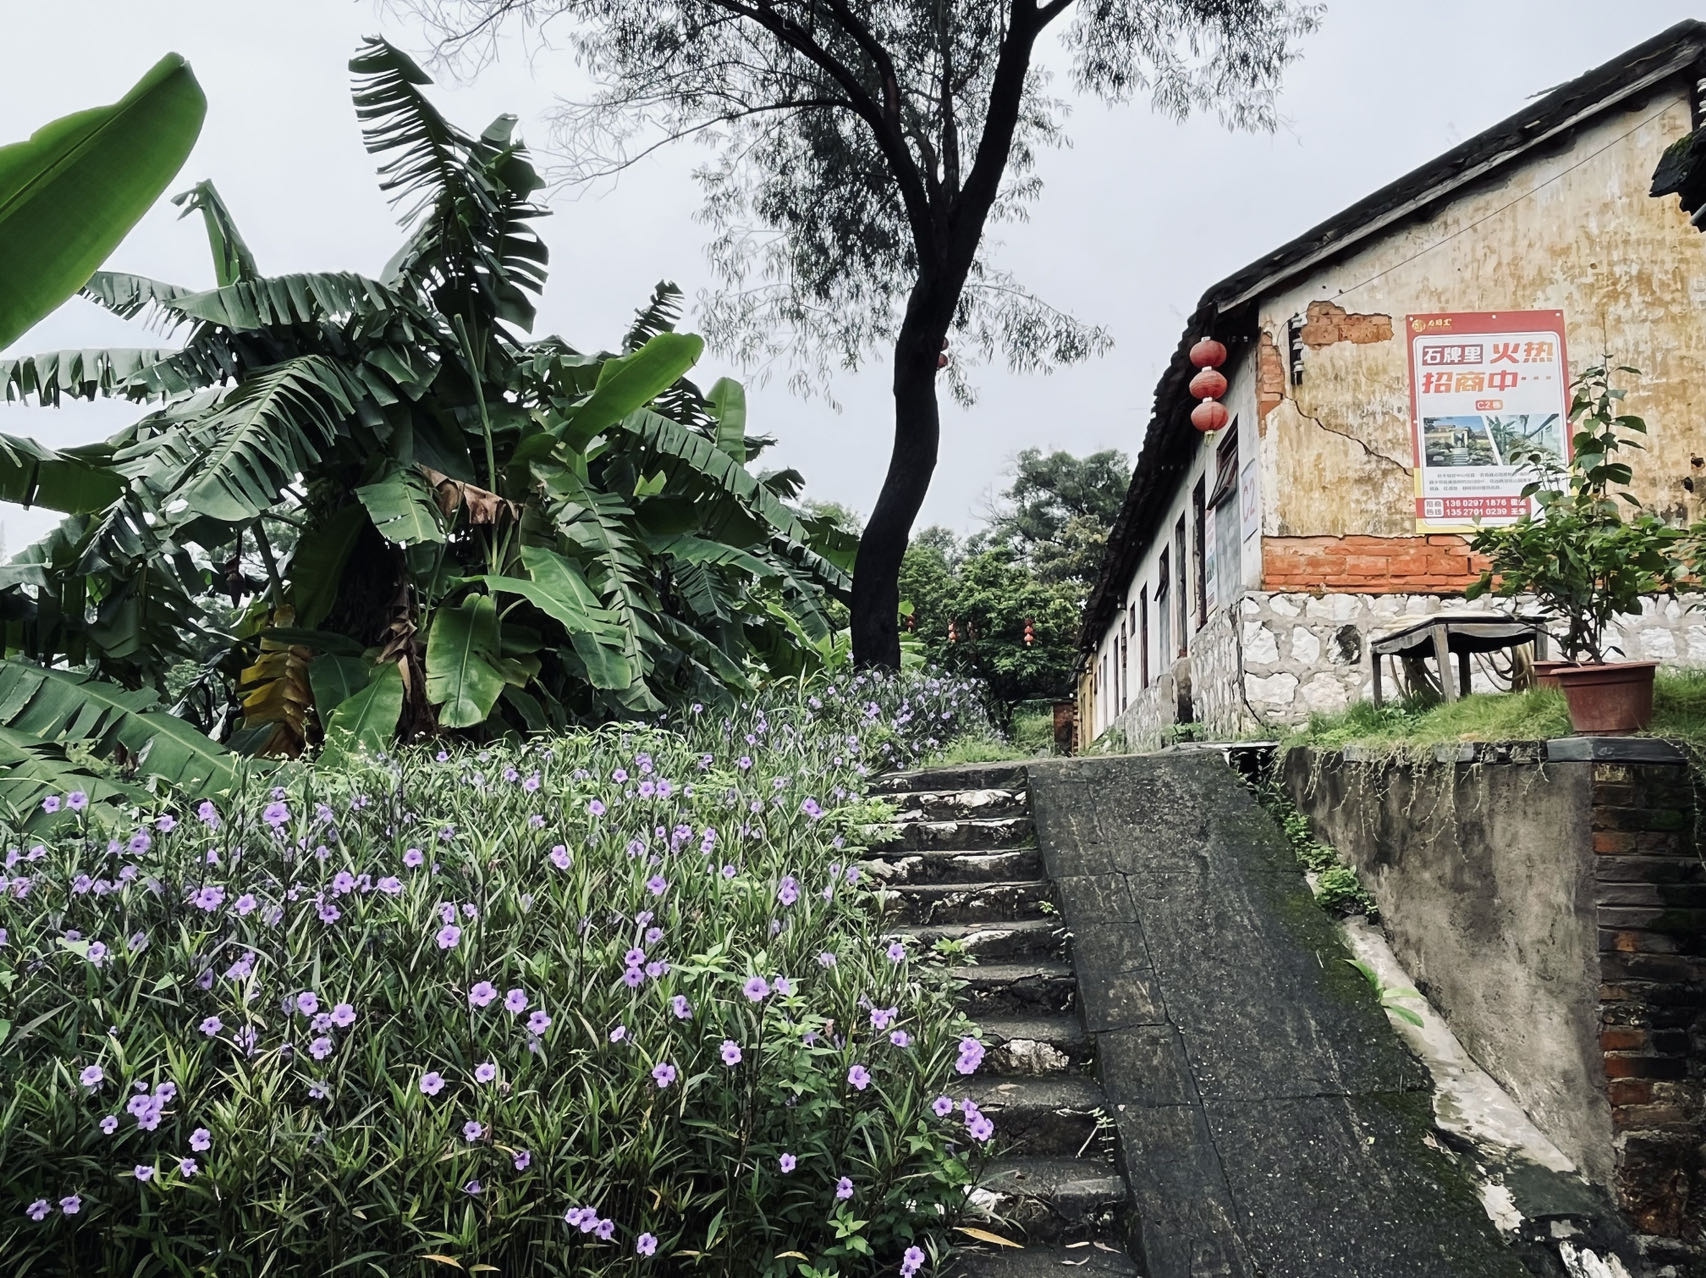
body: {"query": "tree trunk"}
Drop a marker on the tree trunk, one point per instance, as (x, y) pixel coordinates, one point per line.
(917, 432)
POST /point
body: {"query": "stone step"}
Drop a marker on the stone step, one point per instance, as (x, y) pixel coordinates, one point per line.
(1086, 1260)
(1052, 1199)
(1018, 989)
(1062, 1114)
(1032, 1045)
(1019, 939)
(967, 902)
(968, 776)
(948, 805)
(903, 866)
(969, 835)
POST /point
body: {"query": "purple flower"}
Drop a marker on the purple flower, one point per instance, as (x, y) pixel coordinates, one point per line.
(50, 804)
(826, 959)
(245, 904)
(77, 800)
(472, 1130)
(432, 1082)
(900, 1038)
(275, 814)
(142, 1171)
(787, 1162)
(755, 988)
(515, 1002)
(521, 1159)
(896, 951)
(343, 1015)
(619, 1033)
(320, 1048)
(187, 1167)
(595, 808)
(633, 978)
(71, 1204)
(485, 1071)
(448, 935)
(307, 1003)
(942, 1106)
(860, 1077)
(200, 1140)
(657, 885)
(606, 1229)
(844, 1188)
(981, 1128)
(911, 1262)
(782, 986)
(413, 858)
(472, 1187)
(645, 1244)
(679, 1005)
(560, 857)
(634, 957)
(211, 1025)
(971, 1056)
(209, 898)
(811, 809)
(92, 1076)
(109, 1124)
(538, 1022)
(37, 1210)
(482, 993)
(730, 1052)
(663, 1073)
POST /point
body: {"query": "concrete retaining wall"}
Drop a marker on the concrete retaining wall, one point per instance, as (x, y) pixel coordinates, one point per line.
(1551, 900)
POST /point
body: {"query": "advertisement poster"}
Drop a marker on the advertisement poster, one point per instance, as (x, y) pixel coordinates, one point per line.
(1489, 391)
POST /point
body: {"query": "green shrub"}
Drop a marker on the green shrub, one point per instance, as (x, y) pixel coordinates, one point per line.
(585, 1005)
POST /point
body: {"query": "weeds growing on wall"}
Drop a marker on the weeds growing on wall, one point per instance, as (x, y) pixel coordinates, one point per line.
(1336, 886)
(607, 1002)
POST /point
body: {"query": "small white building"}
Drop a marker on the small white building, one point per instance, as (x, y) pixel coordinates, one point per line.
(1382, 368)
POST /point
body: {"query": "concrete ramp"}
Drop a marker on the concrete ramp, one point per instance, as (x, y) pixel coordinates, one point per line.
(1270, 1122)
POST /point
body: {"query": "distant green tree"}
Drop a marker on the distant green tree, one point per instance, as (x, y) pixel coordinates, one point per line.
(1057, 512)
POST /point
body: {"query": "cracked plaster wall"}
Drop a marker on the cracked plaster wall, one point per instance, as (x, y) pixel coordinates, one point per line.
(1572, 229)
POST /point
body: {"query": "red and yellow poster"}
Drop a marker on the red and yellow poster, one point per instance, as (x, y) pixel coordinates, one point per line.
(1489, 390)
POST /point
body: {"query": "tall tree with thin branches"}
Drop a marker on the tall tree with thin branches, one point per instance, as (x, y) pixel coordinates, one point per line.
(860, 151)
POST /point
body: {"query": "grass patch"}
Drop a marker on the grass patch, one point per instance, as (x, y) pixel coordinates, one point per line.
(1679, 713)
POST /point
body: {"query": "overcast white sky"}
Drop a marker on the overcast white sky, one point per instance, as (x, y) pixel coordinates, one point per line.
(1136, 220)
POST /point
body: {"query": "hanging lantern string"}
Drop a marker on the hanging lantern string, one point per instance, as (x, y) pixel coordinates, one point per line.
(1208, 385)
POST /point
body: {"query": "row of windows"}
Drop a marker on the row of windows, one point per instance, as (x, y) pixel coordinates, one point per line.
(1164, 610)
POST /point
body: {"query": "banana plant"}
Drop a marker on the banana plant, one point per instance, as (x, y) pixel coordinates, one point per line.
(418, 518)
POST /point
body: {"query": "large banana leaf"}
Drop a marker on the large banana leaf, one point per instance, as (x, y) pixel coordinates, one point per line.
(401, 504)
(630, 382)
(56, 708)
(73, 484)
(463, 678)
(72, 191)
(364, 722)
(559, 589)
(728, 406)
(87, 374)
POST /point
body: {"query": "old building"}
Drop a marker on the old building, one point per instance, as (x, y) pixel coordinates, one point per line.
(1384, 366)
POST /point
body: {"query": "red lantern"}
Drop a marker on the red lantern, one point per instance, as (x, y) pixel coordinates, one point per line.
(1029, 637)
(1208, 353)
(1208, 384)
(1210, 415)
(951, 635)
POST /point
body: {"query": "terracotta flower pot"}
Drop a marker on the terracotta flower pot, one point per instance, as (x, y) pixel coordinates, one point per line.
(1544, 673)
(1610, 697)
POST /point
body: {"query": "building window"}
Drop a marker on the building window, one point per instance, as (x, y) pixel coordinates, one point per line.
(1143, 637)
(1122, 675)
(1183, 607)
(1199, 547)
(1223, 501)
(1164, 613)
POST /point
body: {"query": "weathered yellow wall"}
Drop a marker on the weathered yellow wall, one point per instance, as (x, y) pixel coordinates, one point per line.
(1573, 230)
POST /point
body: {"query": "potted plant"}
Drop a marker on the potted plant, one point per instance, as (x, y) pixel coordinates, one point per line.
(1588, 551)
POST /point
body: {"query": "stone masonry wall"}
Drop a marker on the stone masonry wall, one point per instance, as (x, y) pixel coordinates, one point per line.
(1650, 893)
(1273, 658)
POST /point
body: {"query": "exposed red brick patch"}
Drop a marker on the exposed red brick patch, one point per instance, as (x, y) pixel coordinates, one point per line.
(1325, 323)
(1270, 380)
(1372, 565)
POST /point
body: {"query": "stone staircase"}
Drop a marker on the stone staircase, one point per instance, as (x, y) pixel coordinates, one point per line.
(962, 865)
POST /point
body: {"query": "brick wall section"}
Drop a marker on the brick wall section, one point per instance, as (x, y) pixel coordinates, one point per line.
(1369, 565)
(1650, 890)
(1270, 380)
